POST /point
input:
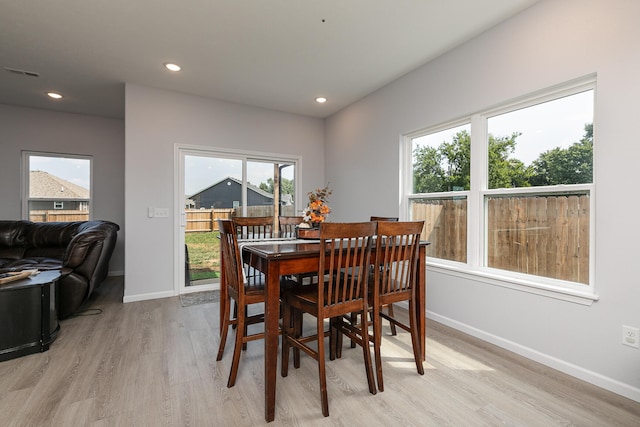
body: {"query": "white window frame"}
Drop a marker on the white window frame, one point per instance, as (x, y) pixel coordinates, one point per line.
(25, 181)
(475, 268)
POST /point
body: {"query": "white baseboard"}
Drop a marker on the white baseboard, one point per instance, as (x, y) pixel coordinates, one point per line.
(145, 297)
(591, 377)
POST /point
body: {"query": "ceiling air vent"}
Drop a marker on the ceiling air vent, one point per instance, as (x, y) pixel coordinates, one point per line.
(22, 72)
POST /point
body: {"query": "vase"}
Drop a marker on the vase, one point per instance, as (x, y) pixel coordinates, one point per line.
(308, 233)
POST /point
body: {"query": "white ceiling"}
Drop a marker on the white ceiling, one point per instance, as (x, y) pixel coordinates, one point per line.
(278, 54)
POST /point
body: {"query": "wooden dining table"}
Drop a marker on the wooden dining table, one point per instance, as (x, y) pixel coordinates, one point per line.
(291, 257)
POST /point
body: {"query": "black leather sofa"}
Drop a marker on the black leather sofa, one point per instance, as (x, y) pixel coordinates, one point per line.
(81, 250)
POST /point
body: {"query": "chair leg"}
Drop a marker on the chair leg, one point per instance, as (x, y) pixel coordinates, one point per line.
(354, 319)
(287, 329)
(391, 324)
(338, 343)
(377, 342)
(235, 312)
(415, 341)
(297, 333)
(225, 329)
(321, 367)
(245, 332)
(237, 349)
(367, 353)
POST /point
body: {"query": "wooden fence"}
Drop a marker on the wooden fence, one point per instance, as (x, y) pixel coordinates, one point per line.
(204, 220)
(546, 236)
(58, 215)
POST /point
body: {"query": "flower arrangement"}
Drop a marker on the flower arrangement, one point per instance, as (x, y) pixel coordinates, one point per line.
(318, 207)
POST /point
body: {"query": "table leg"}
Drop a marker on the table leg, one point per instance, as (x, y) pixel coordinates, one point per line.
(421, 297)
(271, 318)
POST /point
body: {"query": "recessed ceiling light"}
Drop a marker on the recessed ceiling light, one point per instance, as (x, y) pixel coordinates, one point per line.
(54, 95)
(172, 67)
(321, 100)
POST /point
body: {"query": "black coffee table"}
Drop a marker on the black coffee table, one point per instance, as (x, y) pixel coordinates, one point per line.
(28, 317)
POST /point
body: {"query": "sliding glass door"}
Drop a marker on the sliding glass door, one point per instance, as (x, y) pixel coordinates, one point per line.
(214, 185)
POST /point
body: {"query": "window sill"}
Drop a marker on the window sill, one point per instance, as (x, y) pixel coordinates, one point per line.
(583, 297)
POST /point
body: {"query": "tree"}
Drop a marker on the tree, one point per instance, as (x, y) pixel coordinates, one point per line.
(571, 165)
(448, 167)
(428, 174)
(444, 168)
(286, 186)
(504, 171)
(457, 155)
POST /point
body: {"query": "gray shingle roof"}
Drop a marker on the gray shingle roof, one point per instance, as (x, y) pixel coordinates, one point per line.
(46, 186)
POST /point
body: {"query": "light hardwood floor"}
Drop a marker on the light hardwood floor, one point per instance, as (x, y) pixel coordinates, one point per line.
(152, 363)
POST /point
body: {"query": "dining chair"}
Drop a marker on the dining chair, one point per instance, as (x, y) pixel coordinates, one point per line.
(390, 306)
(254, 227)
(245, 290)
(288, 225)
(345, 251)
(395, 280)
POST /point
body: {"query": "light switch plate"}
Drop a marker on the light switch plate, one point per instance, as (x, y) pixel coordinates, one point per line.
(161, 212)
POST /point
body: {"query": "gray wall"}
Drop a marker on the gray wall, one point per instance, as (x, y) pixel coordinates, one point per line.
(157, 120)
(40, 130)
(552, 42)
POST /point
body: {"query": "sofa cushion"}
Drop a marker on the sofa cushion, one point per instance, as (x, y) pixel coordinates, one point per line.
(50, 239)
(15, 252)
(13, 239)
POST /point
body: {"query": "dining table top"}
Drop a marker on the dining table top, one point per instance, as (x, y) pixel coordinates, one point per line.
(285, 247)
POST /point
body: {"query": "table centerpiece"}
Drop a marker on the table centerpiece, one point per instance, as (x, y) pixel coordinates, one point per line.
(315, 213)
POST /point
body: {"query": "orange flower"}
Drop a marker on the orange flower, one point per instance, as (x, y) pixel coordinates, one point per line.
(318, 209)
(315, 205)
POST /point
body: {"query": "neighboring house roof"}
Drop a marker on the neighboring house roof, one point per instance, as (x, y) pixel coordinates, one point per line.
(249, 187)
(43, 185)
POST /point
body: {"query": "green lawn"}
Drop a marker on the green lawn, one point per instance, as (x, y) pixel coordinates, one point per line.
(204, 254)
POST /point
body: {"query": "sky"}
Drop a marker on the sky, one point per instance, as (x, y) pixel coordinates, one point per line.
(558, 123)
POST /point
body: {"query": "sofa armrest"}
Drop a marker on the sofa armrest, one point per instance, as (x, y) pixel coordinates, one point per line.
(80, 246)
(89, 251)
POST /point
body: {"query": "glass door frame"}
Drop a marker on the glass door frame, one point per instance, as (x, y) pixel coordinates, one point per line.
(182, 150)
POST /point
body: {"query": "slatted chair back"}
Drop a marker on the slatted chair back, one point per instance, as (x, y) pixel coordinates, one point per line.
(254, 227)
(397, 258)
(288, 225)
(345, 253)
(231, 259)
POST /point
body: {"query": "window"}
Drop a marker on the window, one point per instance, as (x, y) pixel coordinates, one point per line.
(508, 193)
(57, 187)
(441, 182)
